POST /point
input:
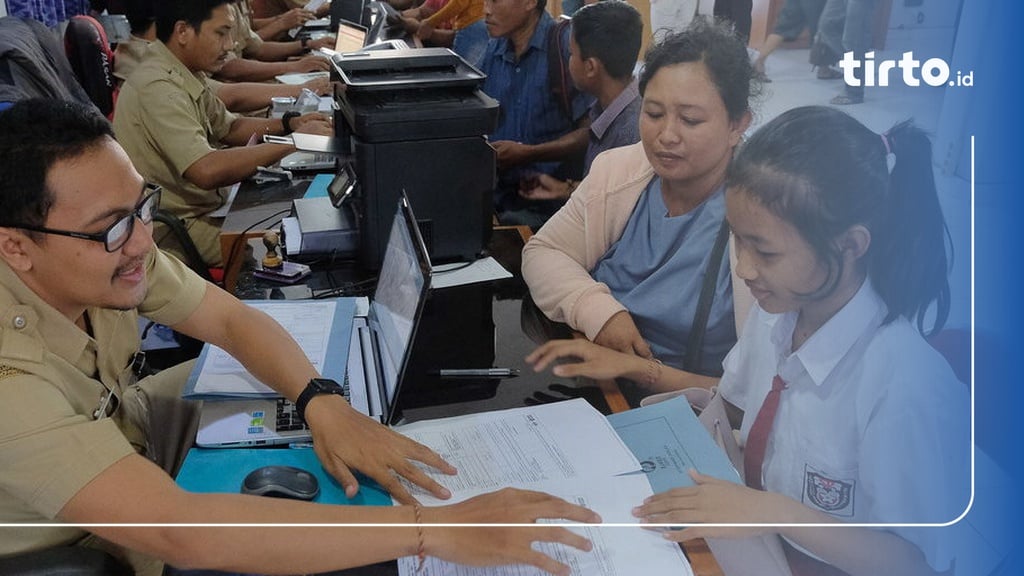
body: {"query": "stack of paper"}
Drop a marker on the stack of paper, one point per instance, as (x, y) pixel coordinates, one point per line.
(568, 449)
(318, 326)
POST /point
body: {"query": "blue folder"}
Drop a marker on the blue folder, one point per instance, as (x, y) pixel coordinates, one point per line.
(668, 440)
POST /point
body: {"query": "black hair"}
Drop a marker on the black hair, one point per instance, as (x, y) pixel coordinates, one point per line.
(822, 171)
(541, 6)
(611, 32)
(716, 45)
(193, 12)
(35, 134)
(140, 15)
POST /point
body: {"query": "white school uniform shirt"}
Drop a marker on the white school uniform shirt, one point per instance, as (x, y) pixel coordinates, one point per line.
(873, 426)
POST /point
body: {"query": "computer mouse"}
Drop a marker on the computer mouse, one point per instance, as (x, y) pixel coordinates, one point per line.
(281, 482)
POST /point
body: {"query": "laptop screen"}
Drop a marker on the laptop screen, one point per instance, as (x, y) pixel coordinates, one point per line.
(351, 37)
(399, 297)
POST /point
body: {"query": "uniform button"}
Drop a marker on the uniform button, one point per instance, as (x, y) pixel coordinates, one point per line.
(19, 322)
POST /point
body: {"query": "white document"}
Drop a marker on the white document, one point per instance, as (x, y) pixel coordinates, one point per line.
(222, 212)
(296, 78)
(314, 5)
(459, 273)
(303, 320)
(618, 550)
(568, 449)
(522, 447)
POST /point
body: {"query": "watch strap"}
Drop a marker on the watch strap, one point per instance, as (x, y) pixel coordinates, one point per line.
(316, 387)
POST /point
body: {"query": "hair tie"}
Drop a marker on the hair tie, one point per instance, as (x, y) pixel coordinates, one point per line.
(890, 156)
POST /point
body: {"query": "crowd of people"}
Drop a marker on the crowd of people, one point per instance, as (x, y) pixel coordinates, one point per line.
(794, 272)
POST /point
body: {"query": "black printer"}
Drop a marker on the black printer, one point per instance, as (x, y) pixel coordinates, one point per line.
(416, 120)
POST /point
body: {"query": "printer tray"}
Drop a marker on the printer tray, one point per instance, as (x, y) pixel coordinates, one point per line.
(419, 114)
(402, 69)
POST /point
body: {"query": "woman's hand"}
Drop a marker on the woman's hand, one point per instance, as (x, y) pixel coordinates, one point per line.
(546, 187)
(590, 360)
(620, 333)
(484, 546)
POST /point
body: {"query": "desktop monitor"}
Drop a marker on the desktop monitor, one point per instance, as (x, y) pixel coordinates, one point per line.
(350, 10)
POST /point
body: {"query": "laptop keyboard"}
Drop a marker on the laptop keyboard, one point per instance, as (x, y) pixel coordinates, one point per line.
(288, 417)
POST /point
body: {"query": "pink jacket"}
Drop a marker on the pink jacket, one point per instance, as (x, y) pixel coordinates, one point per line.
(558, 259)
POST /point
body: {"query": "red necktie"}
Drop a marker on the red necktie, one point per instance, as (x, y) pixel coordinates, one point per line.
(757, 439)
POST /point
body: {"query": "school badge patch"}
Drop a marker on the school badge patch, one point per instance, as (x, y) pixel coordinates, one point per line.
(828, 494)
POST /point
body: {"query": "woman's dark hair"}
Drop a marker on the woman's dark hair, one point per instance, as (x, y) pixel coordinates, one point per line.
(612, 32)
(194, 12)
(716, 45)
(35, 134)
(823, 171)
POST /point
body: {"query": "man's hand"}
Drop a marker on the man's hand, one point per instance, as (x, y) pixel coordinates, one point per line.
(313, 123)
(309, 64)
(319, 86)
(620, 333)
(546, 187)
(476, 546)
(322, 42)
(425, 31)
(510, 153)
(295, 17)
(345, 440)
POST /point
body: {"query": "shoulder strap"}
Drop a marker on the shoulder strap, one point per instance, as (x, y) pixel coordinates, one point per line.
(707, 297)
(559, 80)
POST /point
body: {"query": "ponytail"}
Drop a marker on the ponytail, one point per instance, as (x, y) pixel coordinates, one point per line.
(907, 261)
(822, 171)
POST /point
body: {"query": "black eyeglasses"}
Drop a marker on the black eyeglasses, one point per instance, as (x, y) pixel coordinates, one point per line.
(117, 234)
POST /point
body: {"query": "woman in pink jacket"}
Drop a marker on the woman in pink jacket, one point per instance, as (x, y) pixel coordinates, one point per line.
(624, 260)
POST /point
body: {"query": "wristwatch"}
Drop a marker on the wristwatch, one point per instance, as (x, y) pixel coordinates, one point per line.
(316, 387)
(286, 121)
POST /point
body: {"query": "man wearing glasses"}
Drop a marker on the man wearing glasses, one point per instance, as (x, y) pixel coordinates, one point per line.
(79, 434)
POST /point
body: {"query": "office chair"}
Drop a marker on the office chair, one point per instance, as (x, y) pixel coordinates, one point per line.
(192, 257)
(92, 60)
(64, 561)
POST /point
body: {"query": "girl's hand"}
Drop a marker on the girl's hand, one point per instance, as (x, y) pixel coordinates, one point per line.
(714, 501)
(620, 333)
(591, 360)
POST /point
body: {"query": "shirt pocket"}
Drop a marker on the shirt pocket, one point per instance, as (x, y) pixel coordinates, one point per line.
(830, 486)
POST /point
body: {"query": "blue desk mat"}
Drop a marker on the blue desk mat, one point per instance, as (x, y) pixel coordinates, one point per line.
(318, 187)
(222, 470)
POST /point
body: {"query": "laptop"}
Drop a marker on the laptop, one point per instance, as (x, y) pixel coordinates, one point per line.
(379, 352)
(352, 38)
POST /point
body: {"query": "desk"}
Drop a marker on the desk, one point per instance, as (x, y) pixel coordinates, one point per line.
(494, 308)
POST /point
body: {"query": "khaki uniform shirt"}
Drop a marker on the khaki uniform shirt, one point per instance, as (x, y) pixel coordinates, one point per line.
(54, 379)
(246, 40)
(166, 119)
(129, 55)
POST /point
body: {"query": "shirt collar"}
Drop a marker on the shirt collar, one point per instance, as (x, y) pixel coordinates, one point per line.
(538, 41)
(61, 335)
(820, 354)
(192, 82)
(602, 119)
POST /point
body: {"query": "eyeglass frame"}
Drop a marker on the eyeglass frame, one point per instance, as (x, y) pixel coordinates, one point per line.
(151, 190)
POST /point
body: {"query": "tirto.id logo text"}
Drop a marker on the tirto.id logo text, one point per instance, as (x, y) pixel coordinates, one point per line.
(933, 72)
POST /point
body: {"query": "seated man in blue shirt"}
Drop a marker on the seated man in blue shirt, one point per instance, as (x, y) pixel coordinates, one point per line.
(536, 134)
(605, 43)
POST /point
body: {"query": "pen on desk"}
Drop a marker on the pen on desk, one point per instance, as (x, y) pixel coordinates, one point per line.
(478, 373)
